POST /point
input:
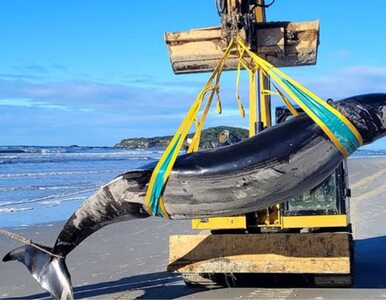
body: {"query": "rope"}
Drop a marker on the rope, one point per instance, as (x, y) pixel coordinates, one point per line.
(15, 236)
(26, 241)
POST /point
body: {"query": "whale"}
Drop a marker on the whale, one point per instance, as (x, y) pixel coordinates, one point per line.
(275, 165)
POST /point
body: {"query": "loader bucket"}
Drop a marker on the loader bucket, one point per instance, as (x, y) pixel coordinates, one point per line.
(283, 44)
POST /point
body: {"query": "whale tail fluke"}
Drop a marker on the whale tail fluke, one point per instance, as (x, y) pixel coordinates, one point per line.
(50, 271)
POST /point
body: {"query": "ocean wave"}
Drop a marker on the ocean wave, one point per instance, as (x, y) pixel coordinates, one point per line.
(58, 173)
(94, 154)
(9, 156)
(14, 209)
(75, 150)
(369, 153)
(56, 197)
(64, 160)
(15, 151)
(53, 203)
(30, 150)
(78, 157)
(40, 188)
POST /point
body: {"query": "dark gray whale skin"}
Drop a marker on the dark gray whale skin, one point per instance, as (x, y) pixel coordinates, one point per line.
(277, 164)
(274, 166)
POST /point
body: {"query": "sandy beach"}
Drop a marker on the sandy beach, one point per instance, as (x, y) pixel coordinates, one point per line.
(128, 260)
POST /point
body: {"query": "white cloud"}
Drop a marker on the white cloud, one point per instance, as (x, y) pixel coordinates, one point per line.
(341, 54)
(27, 102)
(345, 82)
(109, 112)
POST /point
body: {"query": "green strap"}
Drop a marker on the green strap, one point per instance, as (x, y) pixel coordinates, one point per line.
(341, 131)
(158, 187)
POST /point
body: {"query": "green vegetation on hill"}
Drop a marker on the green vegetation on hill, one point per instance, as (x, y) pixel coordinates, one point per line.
(209, 138)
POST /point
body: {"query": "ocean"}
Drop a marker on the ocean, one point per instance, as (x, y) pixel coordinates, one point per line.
(46, 184)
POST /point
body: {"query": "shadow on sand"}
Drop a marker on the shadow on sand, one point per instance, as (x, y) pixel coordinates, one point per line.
(370, 263)
(160, 285)
(369, 272)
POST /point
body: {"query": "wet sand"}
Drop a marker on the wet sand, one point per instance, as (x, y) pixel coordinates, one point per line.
(128, 260)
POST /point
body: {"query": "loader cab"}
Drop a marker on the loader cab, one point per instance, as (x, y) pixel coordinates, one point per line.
(330, 198)
(323, 208)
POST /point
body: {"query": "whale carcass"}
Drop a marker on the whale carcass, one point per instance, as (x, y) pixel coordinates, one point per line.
(274, 166)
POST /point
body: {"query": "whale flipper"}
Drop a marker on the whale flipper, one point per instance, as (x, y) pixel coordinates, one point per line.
(50, 271)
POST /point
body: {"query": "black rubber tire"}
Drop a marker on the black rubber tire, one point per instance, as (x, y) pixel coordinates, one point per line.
(203, 280)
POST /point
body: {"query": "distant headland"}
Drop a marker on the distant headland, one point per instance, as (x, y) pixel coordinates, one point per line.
(209, 138)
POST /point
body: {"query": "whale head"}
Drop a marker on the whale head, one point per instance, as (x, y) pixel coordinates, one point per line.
(367, 113)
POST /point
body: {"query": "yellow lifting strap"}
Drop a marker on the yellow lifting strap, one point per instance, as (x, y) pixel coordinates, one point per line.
(154, 202)
(193, 147)
(336, 126)
(285, 100)
(240, 104)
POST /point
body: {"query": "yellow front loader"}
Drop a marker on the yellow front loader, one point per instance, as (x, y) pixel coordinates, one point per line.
(309, 235)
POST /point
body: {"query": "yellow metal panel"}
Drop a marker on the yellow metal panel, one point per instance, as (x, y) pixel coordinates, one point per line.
(252, 104)
(314, 221)
(265, 117)
(260, 11)
(317, 253)
(265, 100)
(239, 222)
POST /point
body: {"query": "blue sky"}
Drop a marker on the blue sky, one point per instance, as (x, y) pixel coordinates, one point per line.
(92, 72)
